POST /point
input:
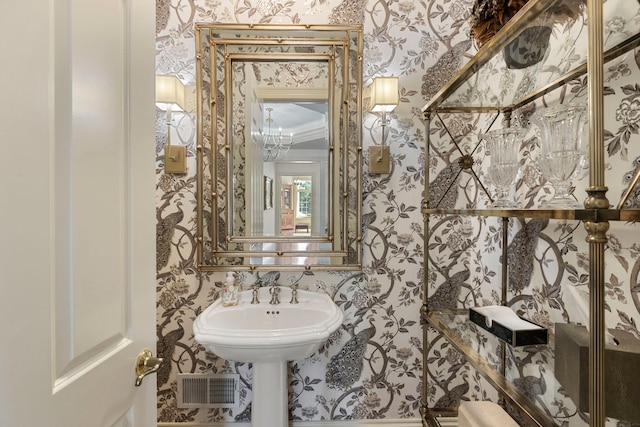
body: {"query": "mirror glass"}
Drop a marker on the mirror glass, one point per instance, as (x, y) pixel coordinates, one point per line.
(279, 146)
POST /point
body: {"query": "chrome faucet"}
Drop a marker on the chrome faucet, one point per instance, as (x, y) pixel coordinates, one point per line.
(294, 294)
(254, 294)
(274, 290)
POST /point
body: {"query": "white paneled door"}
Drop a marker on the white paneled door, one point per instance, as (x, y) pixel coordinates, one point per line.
(77, 244)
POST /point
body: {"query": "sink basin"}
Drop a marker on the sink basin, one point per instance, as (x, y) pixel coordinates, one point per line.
(268, 336)
(268, 333)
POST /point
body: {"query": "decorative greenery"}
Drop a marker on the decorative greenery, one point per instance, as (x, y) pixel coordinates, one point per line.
(489, 16)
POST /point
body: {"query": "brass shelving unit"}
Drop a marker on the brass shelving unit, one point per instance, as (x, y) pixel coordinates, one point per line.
(593, 53)
(441, 321)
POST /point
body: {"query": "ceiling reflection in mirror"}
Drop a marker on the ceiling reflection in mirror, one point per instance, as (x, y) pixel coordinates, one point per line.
(279, 146)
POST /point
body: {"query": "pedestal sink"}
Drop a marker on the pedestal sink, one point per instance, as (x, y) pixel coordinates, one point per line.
(268, 336)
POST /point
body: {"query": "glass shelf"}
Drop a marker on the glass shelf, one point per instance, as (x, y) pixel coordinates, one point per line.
(595, 215)
(474, 87)
(482, 350)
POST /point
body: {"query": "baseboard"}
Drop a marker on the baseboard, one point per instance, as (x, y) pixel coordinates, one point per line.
(411, 422)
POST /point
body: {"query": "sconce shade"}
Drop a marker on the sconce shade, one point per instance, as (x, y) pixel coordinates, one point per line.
(384, 94)
(169, 91)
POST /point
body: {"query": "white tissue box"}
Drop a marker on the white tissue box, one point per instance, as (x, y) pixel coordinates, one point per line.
(505, 324)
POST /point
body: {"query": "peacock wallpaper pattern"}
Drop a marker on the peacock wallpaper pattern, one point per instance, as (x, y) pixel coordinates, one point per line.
(372, 367)
(382, 335)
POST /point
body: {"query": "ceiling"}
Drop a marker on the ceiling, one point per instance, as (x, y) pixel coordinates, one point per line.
(306, 120)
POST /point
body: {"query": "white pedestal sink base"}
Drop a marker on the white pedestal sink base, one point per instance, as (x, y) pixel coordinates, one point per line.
(270, 403)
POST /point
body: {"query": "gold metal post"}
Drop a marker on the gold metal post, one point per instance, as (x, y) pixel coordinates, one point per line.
(424, 404)
(596, 200)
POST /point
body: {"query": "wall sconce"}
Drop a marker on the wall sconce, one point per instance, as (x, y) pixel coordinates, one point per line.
(170, 95)
(384, 99)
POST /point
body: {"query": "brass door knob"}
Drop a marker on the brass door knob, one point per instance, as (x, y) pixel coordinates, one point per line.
(146, 364)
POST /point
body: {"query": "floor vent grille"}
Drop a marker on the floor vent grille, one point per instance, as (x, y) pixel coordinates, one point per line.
(208, 390)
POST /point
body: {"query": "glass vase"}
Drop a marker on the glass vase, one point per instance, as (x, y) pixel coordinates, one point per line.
(503, 146)
(563, 152)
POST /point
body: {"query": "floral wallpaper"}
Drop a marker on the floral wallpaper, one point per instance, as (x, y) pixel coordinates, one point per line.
(423, 43)
(382, 303)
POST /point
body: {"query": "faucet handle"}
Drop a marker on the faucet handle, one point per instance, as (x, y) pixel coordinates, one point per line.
(294, 294)
(254, 294)
(274, 291)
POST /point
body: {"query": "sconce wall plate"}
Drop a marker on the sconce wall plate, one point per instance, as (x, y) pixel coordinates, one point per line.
(175, 159)
(379, 160)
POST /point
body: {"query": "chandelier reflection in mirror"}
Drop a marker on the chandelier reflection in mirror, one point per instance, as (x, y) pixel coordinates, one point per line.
(273, 145)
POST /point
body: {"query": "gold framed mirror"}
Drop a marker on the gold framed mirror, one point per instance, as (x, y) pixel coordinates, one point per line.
(279, 106)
